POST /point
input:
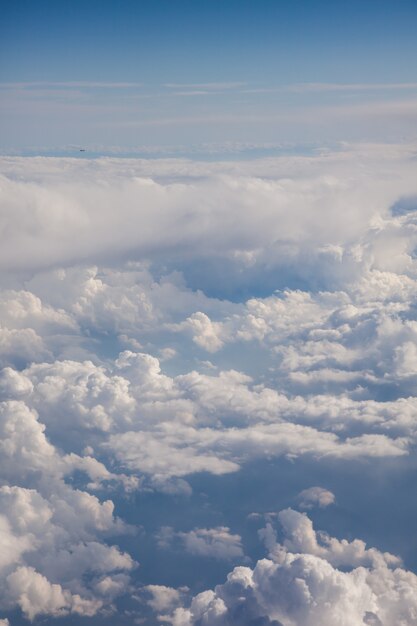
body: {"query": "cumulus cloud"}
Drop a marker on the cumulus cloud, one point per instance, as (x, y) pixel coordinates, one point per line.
(163, 598)
(205, 333)
(301, 537)
(173, 426)
(36, 595)
(48, 547)
(297, 277)
(315, 496)
(298, 587)
(287, 212)
(217, 543)
(51, 533)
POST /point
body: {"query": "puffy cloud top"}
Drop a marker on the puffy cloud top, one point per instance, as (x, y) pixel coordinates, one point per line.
(301, 586)
(165, 323)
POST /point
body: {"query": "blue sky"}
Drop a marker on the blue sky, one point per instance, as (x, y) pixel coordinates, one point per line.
(208, 41)
(142, 73)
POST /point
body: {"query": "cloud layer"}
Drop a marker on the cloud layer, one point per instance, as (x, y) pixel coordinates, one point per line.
(300, 584)
(164, 321)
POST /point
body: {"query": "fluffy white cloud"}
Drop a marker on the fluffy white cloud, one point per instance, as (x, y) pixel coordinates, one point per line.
(301, 213)
(180, 450)
(300, 537)
(217, 543)
(23, 443)
(48, 547)
(163, 598)
(17, 346)
(313, 354)
(20, 309)
(205, 333)
(51, 533)
(35, 595)
(173, 426)
(298, 587)
(315, 496)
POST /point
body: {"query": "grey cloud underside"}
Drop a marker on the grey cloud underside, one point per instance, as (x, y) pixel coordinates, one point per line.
(124, 372)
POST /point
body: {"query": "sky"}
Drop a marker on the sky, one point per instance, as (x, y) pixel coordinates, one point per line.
(208, 335)
(173, 76)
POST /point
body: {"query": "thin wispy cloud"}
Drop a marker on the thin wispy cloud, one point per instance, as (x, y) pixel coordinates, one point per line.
(323, 87)
(68, 85)
(206, 86)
